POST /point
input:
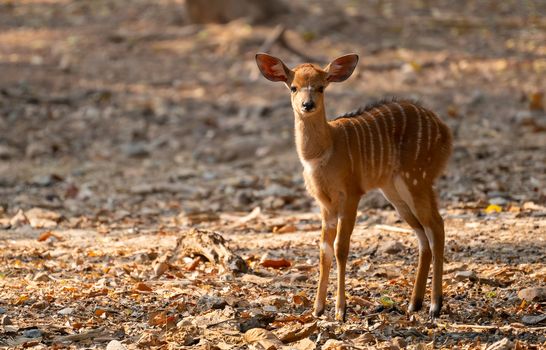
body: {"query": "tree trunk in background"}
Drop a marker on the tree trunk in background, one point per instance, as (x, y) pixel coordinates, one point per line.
(223, 11)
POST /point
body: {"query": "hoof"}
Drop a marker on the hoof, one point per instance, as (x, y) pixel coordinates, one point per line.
(318, 312)
(435, 309)
(415, 306)
(341, 315)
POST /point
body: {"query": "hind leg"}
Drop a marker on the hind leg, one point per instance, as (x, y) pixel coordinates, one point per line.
(422, 202)
(425, 254)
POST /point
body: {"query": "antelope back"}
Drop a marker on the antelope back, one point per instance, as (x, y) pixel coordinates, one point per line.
(396, 137)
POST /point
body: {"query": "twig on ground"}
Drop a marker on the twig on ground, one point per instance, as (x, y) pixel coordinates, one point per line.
(393, 229)
(93, 333)
(485, 327)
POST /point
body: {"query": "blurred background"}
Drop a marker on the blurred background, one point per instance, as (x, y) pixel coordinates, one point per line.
(138, 108)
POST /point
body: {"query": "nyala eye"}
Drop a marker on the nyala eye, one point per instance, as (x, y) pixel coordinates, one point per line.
(293, 89)
(320, 89)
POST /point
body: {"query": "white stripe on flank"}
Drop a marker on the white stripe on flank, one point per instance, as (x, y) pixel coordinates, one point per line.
(370, 137)
(359, 148)
(403, 130)
(393, 131)
(380, 168)
(436, 127)
(429, 130)
(348, 147)
(419, 131)
(386, 146)
(391, 117)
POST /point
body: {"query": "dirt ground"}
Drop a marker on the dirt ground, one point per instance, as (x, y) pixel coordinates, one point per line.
(123, 126)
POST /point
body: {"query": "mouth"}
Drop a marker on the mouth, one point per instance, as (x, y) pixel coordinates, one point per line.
(308, 111)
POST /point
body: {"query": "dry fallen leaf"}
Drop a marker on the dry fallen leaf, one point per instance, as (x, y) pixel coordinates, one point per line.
(277, 263)
(295, 331)
(264, 338)
(301, 300)
(161, 318)
(160, 268)
(142, 287)
(47, 234)
(289, 228)
(535, 101)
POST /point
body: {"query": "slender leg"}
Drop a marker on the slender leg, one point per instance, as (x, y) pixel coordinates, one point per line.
(426, 210)
(345, 228)
(436, 237)
(425, 254)
(329, 224)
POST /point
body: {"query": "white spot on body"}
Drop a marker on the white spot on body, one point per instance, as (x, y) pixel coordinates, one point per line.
(309, 165)
(424, 174)
(407, 175)
(327, 250)
(414, 182)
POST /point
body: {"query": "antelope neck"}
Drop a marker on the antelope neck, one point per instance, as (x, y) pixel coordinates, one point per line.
(313, 135)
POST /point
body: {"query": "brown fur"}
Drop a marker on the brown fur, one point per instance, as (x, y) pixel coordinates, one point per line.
(398, 147)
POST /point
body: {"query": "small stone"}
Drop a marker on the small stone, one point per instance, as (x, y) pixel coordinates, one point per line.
(270, 308)
(5, 321)
(409, 74)
(32, 333)
(37, 149)
(135, 150)
(533, 294)
(400, 342)
(466, 275)
(296, 277)
(504, 344)
(45, 180)
(42, 277)
(66, 311)
(7, 152)
(272, 202)
(498, 201)
(392, 247)
(211, 302)
(530, 320)
(115, 345)
(5, 223)
(19, 219)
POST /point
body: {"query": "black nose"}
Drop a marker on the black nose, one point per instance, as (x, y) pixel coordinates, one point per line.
(308, 105)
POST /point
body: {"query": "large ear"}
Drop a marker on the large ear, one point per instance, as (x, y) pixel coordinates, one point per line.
(341, 68)
(272, 68)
